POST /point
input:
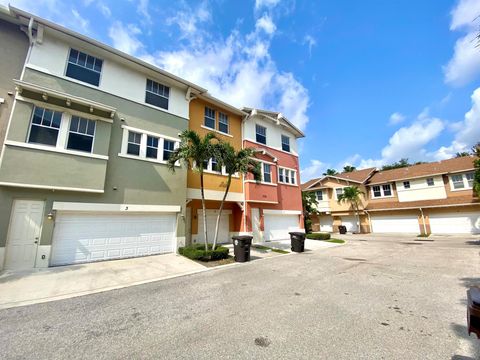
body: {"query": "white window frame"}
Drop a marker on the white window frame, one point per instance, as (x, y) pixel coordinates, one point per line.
(81, 81)
(316, 195)
(80, 133)
(282, 136)
(162, 94)
(214, 118)
(466, 186)
(288, 174)
(407, 185)
(226, 121)
(263, 173)
(432, 181)
(143, 145)
(335, 191)
(264, 127)
(382, 191)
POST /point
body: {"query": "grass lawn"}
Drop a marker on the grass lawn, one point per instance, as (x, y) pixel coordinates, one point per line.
(214, 263)
(336, 241)
(266, 248)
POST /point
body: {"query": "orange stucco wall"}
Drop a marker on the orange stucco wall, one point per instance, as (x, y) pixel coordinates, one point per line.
(197, 114)
(235, 218)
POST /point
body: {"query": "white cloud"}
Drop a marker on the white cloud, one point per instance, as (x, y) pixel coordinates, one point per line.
(314, 170)
(266, 24)
(265, 3)
(464, 66)
(104, 9)
(396, 118)
(124, 37)
(82, 23)
(143, 10)
(189, 19)
(310, 41)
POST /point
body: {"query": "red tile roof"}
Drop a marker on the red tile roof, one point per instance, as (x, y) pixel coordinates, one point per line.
(359, 176)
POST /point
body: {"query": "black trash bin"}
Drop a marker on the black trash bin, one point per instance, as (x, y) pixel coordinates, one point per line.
(342, 229)
(298, 241)
(241, 247)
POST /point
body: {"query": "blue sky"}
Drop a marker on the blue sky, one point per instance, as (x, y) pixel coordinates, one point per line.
(369, 82)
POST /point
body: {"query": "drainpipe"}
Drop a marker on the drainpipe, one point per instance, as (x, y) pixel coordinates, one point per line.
(423, 220)
(369, 220)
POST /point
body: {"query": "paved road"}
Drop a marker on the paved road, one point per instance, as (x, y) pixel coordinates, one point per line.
(366, 300)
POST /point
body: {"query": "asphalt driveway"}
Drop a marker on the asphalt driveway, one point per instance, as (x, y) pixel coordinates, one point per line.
(365, 300)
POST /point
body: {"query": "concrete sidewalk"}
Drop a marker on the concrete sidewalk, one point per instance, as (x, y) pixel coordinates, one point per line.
(41, 285)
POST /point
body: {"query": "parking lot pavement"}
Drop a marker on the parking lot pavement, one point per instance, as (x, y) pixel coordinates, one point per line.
(364, 300)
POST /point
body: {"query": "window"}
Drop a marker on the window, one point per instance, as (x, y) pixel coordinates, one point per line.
(338, 192)
(406, 184)
(320, 195)
(387, 190)
(376, 191)
(215, 166)
(457, 181)
(267, 175)
(157, 94)
(292, 177)
(287, 176)
(168, 148)
(209, 118)
(45, 126)
(469, 178)
(261, 134)
(84, 67)
(81, 134)
(280, 175)
(430, 182)
(152, 147)
(134, 140)
(223, 123)
(285, 143)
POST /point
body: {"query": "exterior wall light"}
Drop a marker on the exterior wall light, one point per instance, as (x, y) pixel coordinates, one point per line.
(50, 216)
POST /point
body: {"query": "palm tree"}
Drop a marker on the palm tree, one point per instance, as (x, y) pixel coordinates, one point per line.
(309, 204)
(330, 172)
(194, 151)
(351, 194)
(349, 168)
(240, 162)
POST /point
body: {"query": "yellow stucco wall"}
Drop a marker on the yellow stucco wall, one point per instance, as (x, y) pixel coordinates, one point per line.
(197, 114)
(331, 184)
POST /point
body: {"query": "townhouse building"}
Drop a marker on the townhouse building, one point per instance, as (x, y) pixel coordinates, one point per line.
(83, 173)
(430, 198)
(273, 206)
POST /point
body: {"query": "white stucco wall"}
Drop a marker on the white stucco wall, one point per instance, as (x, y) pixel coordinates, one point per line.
(116, 78)
(419, 190)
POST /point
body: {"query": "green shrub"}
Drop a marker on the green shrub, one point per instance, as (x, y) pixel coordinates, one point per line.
(318, 236)
(197, 252)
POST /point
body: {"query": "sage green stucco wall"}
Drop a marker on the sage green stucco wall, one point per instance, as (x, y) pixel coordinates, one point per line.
(127, 181)
(13, 51)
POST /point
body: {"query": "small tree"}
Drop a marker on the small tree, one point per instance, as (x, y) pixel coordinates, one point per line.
(396, 165)
(330, 172)
(309, 204)
(476, 179)
(240, 162)
(462, 154)
(194, 151)
(351, 194)
(349, 168)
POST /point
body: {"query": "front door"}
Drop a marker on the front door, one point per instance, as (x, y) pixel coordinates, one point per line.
(24, 234)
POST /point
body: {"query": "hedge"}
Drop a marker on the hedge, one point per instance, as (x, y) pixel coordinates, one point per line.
(197, 252)
(318, 236)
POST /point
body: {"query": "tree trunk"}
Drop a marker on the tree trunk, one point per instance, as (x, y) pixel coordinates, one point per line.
(229, 180)
(204, 211)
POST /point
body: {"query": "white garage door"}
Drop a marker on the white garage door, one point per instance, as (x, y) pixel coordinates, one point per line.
(395, 224)
(326, 223)
(87, 237)
(455, 223)
(350, 222)
(277, 227)
(223, 232)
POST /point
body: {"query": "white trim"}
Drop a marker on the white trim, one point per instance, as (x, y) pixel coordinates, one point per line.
(271, 147)
(263, 161)
(262, 201)
(215, 131)
(214, 195)
(151, 133)
(134, 157)
(54, 149)
(2, 257)
(423, 207)
(50, 187)
(286, 177)
(464, 179)
(382, 196)
(282, 212)
(261, 182)
(78, 206)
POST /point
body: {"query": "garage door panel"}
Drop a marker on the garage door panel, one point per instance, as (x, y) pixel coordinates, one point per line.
(455, 223)
(395, 224)
(82, 237)
(277, 227)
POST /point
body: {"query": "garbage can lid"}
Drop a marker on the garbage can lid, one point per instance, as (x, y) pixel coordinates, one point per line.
(242, 237)
(297, 233)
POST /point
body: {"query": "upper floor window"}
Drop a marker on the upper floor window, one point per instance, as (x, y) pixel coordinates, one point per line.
(338, 192)
(406, 184)
(209, 118)
(84, 67)
(382, 191)
(430, 182)
(462, 181)
(320, 195)
(157, 94)
(152, 147)
(45, 126)
(267, 173)
(168, 148)
(81, 134)
(260, 134)
(287, 176)
(223, 123)
(285, 143)
(134, 142)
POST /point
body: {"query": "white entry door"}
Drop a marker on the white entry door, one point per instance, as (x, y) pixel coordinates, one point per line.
(86, 237)
(277, 227)
(24, 234)
(455, 223)
(223, 229)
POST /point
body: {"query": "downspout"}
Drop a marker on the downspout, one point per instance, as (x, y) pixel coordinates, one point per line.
(423, 220)
(30, 31)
